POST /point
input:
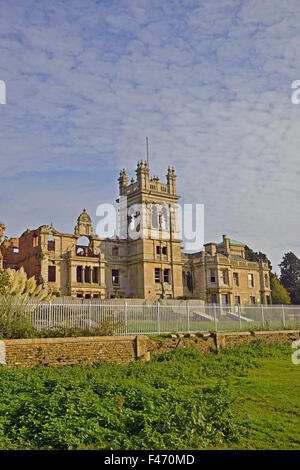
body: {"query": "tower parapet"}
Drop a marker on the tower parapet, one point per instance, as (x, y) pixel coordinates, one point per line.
(145, 182)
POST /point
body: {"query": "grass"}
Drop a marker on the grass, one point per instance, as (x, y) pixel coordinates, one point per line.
(242, 398)
(268, 403)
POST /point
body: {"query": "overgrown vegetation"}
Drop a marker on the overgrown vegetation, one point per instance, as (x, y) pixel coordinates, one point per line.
(181, 400)
(16, 284)
(15, 292)
(18, 326)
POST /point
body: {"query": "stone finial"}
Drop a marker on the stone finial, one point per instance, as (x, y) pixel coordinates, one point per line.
(84, 225)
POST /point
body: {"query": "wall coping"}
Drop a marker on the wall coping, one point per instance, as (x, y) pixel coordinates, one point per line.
(275, 332)
(255, 333)
(97, 339)
(79, 339)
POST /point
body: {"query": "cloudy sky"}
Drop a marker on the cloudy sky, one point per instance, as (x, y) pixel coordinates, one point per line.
(209, 82)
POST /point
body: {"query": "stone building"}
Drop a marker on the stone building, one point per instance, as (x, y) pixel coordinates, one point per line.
(145, 261)
(222, 275)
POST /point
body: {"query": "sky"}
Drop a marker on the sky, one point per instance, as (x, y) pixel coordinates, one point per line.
(208, 82)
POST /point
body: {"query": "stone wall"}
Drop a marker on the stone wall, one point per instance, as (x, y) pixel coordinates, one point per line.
(231, 340)
(123, 349)
(67, 351)
(211, 341)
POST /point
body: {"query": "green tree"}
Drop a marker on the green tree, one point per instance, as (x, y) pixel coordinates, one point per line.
(290, 276)
(279, 294)
(257, 256)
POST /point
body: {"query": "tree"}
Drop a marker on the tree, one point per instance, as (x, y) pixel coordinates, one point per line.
(257, 256)
(290, 276)
(279, 294)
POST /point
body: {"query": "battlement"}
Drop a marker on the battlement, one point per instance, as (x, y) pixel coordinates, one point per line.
(146, 182)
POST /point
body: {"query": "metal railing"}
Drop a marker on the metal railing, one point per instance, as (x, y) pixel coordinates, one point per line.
(157, 318)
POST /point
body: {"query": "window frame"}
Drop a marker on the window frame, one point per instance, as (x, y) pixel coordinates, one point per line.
(115, 278)
(157, 275)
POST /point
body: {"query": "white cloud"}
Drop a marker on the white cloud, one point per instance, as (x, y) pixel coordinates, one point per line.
(207, 82)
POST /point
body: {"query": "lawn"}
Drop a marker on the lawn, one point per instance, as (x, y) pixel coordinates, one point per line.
(267, 399)
(244, 398)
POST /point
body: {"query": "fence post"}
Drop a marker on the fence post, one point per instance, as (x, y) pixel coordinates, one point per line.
(262, 315)
(50, 315)
(283, 315)
(215, 316)
(90, 314)
(240, 320)
(125, 317)
(188, 316)
(158, 319)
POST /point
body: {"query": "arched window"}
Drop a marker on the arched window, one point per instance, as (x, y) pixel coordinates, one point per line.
(82, 246)
(83, 241)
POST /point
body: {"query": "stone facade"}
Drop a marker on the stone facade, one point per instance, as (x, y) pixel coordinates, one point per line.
(145, 261)
(222, 275)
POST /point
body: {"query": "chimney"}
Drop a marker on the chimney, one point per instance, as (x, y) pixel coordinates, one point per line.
(211, 248)
(226, 245)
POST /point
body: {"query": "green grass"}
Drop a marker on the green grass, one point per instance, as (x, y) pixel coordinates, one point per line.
(268, 401)
(244, 398)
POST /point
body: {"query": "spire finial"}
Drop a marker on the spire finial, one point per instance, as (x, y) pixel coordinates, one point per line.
(147, 146)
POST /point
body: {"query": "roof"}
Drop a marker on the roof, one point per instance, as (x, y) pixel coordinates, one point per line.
(232, 242)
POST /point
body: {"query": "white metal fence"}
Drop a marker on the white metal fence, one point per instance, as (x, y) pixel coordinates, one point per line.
(156, 318)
